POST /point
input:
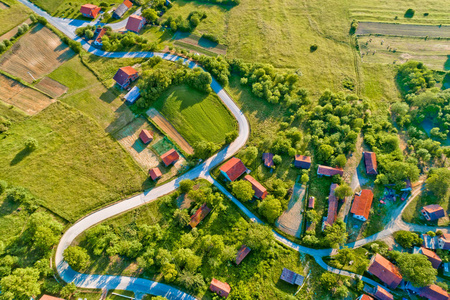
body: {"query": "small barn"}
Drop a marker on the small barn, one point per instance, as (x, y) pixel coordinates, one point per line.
(125, 76)
(146, 136)
(170, 157)
(135, 23)
(122, 9)
(311, 202)
(242, 253)
(302, 161)
(433, 212)
(329, 171)
(155, 173)
(100, 32)
(431, 255)
(291, 277)
(48, 297)
(199, 215)
(90, 10)
(370, 160)
(268, 160)
(386, 271)
(258, 188)
(220, 288)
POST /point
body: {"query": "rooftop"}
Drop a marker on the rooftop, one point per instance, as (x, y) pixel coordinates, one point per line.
(233, 168)
(362, 204)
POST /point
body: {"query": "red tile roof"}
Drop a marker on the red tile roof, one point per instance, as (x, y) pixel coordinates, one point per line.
(242, 253)
(311, 202)
(146, 136)
(48, 297)
(386, 271)
(332, 205)
(268, 160)
(433, 212)
(233, 168)
(90, 9)
(329, 171)
(128, 3)
(260, 191)
(123, 74)
(220, 288)
(370, 160)
(382, 294)
(365, 297)
(154, 173)
(199, 215)
(134, 22)
(102, 32)
(362, 204)
(432, 257)
(434, 292)
(301, 161)
(170, 157)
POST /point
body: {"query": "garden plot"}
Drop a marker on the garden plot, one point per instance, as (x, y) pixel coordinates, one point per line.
(51, 87)
(290, 221)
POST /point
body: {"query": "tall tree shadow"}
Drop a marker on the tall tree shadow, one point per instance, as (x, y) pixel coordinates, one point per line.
(20, 156)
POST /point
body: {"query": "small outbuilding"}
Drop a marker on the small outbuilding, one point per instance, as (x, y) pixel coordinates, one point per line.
(199, 215)
(90, 10)
(302, 161)
(329, 171)
(260, 191)
(100, 32)
(386, 271)
(382, 294)
(232, 169)
(364, 297)
(122, 9)
(133, 95)
(362, 204)
(291, 277)
(146, 136)
(170, 157)
(135, 23)
(242, 253)
(125, 76)
(155, 173)
(311, 202)
(433, 292)
(332, 207)
(220, 288)
(268, 160)
(433, 212)
(370, 160)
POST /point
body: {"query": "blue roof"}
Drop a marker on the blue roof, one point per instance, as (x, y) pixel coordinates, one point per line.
(132, 95)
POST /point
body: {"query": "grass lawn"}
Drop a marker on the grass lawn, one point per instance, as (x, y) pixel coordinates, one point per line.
(11, 113)
(76, 168)
(412, 212)
(359, 265)
(12, 16)
(196, 115)
(12, 222)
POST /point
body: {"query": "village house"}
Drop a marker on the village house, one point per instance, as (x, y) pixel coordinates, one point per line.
(436, 242)
(364, 297)
(199, 215)
(125, 76)
(386, 271)
(48, 297)
(232, 169)
(146, 136)
(100, 32)
(291, 277)
(433, 212)
(90, 10)
(268, 160)
(329, 171)
(135, 23)
(370, 160)
(431, 255)
(155, 173)
(260, 191)
(361, 205)
(242, 253)
(311, 202)
(132, 95)
(433, 292)
(332, 207)
(303, 162)
(220, 288)
(122, 9)
(379, 293)
(170, 157)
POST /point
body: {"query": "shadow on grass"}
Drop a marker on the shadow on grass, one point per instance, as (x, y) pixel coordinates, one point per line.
(8, 207)
(20, 156)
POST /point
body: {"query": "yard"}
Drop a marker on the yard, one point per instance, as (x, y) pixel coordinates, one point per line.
(195, 115)
(413, 215)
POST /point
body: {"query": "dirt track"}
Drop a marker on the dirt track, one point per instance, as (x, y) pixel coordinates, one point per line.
(168, 129)
(403, 30)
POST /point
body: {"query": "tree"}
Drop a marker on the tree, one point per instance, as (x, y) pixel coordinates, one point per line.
(270, 208)
(169, 272)
(251, 153)
(305, 178)
(312, 216)
(106, 16)
(3, 186)
(325, 152)
(328, 280)
(342, 191)
(417, 269)
(31, 144)
(344, 256)
(259, 237)
(341, 160)
(438, 182)
(407, 239)
(186, 185)
(277, 160)
(204, 149)
(89, 34)
(150, 15)
(33, 18)
(181, 217)
(21, 284)
(243, 190)
(336, 234)
(190, 281)
(76, 257)
(68, 290)
(231, 136)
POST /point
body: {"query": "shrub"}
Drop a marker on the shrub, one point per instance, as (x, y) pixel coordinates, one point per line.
(407, 239)
(277, 159)
(231, 136)
(2, 46)
(313, 47)
(211, 37)
(42, 20)
(243, 190)
(31, 144)
(33, 18)
(409, 13)
(76, 257)
(3, 186)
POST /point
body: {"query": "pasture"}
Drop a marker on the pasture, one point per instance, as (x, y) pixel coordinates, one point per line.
(76, 168)
(36, 54)
(435, 31)
(196, 115)
(12, 13)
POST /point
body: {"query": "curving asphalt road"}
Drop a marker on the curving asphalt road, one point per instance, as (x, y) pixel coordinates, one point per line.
(143, 286)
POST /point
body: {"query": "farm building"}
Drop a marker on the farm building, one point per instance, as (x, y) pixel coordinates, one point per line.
(432, 256)
(436, 242)
(370, 160)
(433, 292)
(100, 32)
(386, 271)
(90, 10)
(260, 191)
(170, 157)
(329, 171)
(433, 212)
(332, 207)
(125, 76)
(301, 161)
(146, 136)
(133, 95)
(364, 297)
(199, 215)
(361, 205)
(379, 293)
(242, 253)
(122, 9)
(135, 23)
(268, 160)
(154, 173)
(311, 202)
(291, 277)
(233, 168)
(220, 288)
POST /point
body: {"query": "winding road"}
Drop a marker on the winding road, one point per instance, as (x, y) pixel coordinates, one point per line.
(143, 286)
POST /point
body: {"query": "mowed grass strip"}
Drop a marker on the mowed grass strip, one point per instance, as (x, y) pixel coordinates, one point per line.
(76, 168)
(12, 16)
(196, 115)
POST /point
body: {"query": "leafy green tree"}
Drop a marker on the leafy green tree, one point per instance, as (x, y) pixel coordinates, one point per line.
(340, 160)
(277, 160)
(342, 191)
(150, 15)
(312, 216)
(186, 185)
(181, 217)
(417, 269)
(407, 239)
(89, 34)
(270, 208)
(325, 152)
(68, 290)
(259, 237)
(106, 16)
(305, 178)
(204, 149)
(21, 284)
(190, 281)
(185, 258)
(251, 153)
(3, 186)
(336, 234)
(169, 272)
(344, 256)
(341, 292)
(243, 190)
(76, 257)
(328, 280)
(231, 136)
(31, 144)
(438, 182)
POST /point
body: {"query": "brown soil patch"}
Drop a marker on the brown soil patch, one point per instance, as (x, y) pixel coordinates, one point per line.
(290, 221)
(13, 31)
(52, 87)
(22, 97)
(39, 52)
(170, 130)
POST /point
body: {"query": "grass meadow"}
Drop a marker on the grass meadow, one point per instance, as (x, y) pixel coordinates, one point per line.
(196, 115)
(10, 17)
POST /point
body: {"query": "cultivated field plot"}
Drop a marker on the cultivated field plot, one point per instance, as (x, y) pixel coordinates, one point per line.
(51, 87)
(397, 50)
(290, 221)
(23, 97)
(365, 28)
(39, 52)
(12, 13)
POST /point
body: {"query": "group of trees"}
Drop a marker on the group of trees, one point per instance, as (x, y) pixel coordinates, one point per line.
(186, 25)
(414, 76)
(415, 268)
(20, 31)
(335, 284)
(407, 239)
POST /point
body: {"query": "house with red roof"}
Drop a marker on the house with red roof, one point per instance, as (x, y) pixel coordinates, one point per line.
(260, 191)
(146, 136)
(329, 171)
(135, 23)
(431, 255)
(90, 10)
(381, 293)
(433, 292)
(242, 253)
(220, 288)
(386, 271)
(302, 161)
(98, 38)
(433, 212)
(170, 157)
(122, 9)
(364, 297)
(199, 215)
(232, 169)
(48, 297)
(361, 205)
(370, 160)
(125, 76)
(268, 160)
(155, 173)
(311, 202)
(332, 207)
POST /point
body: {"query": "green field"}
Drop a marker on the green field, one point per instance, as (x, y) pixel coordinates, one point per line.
(76, 168)
(12, 16)
(196, 115)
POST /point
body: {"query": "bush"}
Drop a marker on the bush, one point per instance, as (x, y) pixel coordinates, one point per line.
(409, 13)
(31, 144)
(76, 257)
(211, 37)
(313, 47)
(277, 159)
(243, 190)
(231, 136)
(42, 20)
(407, 239)
(3, 186)
(2, 46)
(33, 18)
